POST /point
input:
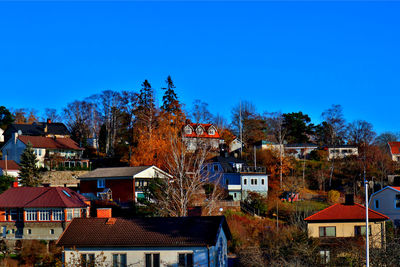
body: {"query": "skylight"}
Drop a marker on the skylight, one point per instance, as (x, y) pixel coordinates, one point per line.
(65, 192)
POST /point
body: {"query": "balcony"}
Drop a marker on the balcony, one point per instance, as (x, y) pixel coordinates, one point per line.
(250, 169)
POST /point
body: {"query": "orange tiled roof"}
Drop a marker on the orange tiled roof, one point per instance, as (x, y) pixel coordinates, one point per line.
(205, 134)
(394, 147)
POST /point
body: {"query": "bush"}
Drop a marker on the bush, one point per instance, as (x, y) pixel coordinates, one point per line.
(333, 196)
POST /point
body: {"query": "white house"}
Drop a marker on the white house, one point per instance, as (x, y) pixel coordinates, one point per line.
(300, 151)
(387, 201)
(156, 241)
(394, 148)
(48, 150)
(9, 167)
(1, 135)
(342, 151)
(195, 134)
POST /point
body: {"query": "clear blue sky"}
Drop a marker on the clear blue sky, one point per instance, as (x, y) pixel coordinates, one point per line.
(282, 56)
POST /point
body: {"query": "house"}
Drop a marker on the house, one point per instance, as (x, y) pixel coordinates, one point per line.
(1, 135)
(394, 148)
(342, 151)
(267, 145)
(235, 145)
(237, 177)
(343, 223)
(51, 152)
(156, 241)
(39, 212)
(387, 201)
(300, 151)
(127, 184)
(195, 134)
(9, 167)
(46, 129)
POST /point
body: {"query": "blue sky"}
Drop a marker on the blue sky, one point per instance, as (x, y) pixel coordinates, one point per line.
(282, 56)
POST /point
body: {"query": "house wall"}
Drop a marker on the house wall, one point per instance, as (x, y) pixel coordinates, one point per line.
(13, 173)
(215, 255)
(1, 135)
(38, 230)
(122, 189)
(13, 148)
(259, 187)
(386, 199)
(340, 152)
(346, 229)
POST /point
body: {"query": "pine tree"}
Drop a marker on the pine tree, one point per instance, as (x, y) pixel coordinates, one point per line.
(29, 172)
(170, 100)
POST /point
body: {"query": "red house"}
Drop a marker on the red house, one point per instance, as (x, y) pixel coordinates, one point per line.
(121, 184)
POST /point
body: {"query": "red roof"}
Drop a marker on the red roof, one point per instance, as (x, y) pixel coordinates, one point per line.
(394, 147)
(41, 197)
(49, 142)
(342, 212)
(205, 134)
(11, 165)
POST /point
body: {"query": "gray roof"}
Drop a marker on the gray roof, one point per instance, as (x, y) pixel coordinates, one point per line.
(114, 172)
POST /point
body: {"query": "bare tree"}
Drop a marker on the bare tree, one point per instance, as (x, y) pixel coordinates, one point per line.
(275, 123)
(173, 197)
(360, 132)
(51, 114)
(200, 112)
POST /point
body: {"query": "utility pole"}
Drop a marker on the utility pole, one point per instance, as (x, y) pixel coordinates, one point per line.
(240, 129)
(366, 221)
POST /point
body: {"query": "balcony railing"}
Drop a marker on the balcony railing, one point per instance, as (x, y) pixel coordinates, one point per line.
(251, 169)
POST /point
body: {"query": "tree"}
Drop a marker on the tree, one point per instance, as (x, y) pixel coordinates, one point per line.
(173, 197)
(6, 118)
(200, 112)
(29, 172)
(298, 127)
(51, 113)
(360, 133)
(5, 182)
(252, 125)
(172, 108)
(78, 118)
(275, 123)
(383, 139)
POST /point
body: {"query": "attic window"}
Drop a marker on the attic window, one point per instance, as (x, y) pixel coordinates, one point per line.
(199, 131)
(211, 131)
(66, 193)
(188, 130)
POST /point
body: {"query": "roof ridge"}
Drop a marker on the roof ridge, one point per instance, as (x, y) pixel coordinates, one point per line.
(38, 196)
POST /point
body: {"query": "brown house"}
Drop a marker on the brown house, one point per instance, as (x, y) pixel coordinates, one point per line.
(121, 184)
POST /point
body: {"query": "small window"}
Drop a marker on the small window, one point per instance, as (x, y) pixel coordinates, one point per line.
(262, 181)
(101, 183)
(152, 260)
(376, 203)
(185, 260)
(245, 181)
(119, 260)
(327, 231)
(360, 230)
(397, 201)
(29, 231)
(87, 260)
(216, 168)
(227, 181)
(325, 256)
(52, 231)
(66, 193)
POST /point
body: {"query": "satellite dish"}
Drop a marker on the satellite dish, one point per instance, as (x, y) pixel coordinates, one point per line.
(19, 132)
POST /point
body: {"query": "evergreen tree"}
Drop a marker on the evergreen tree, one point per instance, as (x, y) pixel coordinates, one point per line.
(6, 118)
(170, 100)
(29, 172)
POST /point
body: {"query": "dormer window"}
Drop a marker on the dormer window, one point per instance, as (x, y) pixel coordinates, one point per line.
(188, 130)
(199, 130)
(211, 131)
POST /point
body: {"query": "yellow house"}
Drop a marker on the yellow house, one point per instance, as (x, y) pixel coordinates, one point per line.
(345, 221)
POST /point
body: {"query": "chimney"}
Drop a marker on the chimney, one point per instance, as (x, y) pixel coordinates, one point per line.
(104, 213)
(48, 121)
(15, 137)
(14, 184)
(349, 199)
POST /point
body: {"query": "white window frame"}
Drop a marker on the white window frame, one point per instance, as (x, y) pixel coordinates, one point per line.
(31, 215)
(45, 215)
(57, 215)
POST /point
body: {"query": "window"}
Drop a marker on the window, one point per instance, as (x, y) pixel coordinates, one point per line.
(216, 168)
(70, 213)
(66, 193)
(52, 231)
(77, 213)
(31, 215)
(40, 152)
(58, 215)
(29, 231)
(227, 181)
(327, 231)
(397, 201)
(376, 203)
(152, 260)
(188, 130)
(14, 215)
(185, 260)
(245, 181)
(360, 230)
(253, 181)
(44, 215)
(101, 183)
(325, 256)
(119, 260)
(263, 181)
(87, 260)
